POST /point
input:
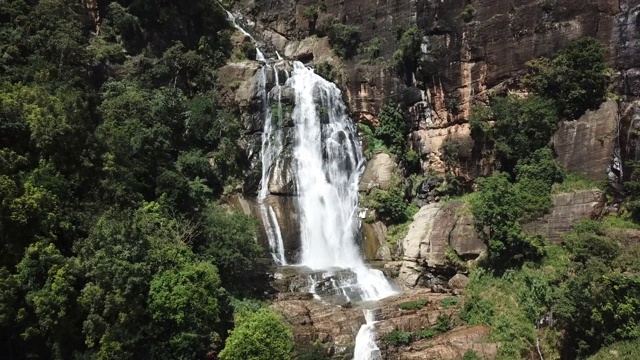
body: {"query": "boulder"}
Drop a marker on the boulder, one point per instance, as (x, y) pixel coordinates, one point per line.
(458, 282)
(378, 172)
(435, 230)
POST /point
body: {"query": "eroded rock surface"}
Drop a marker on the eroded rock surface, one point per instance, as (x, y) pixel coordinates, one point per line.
(568, 210)
(436, 230)
(335, 327)
(378, 172)
(586, 146)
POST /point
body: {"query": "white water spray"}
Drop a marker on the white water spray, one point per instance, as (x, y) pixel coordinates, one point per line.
(329, 163)
(366, 348)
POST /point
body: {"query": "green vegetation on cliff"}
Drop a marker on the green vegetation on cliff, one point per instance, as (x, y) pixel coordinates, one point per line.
(564, 301)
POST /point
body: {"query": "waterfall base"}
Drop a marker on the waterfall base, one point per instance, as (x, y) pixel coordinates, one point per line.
(332, 286)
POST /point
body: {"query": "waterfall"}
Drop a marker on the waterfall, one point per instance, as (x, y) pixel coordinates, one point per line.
(271, 147)
(366, 348)
(329, 163)
(327, 168)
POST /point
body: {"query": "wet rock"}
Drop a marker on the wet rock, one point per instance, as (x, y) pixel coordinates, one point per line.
(282, 175)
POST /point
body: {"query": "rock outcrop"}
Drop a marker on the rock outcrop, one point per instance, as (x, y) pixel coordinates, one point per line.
(437, 234)
(586, 146)
(568, 209)
(335, 327)
(378, 172)
(442, 237)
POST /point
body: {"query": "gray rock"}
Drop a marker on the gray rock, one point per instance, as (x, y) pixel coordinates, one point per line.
(458, 282)
(378, 172)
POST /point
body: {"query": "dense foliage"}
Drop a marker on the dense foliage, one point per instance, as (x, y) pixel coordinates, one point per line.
(261, 335)
(575, 79)
(344, 39)
(512, 128)
(113, 148)
(502, 206)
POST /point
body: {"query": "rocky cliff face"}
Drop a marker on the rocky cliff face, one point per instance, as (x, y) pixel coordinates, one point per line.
(469, 49)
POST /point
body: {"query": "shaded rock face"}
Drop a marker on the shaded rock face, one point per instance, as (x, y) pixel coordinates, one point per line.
(336, 327)
(568, 209)
(586, 146)
(287, 216)
(436, 230)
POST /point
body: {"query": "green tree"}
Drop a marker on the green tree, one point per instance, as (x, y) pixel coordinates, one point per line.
(186, 304)
(262, 335)
(229, 241)
(575, 79)
(498, 210)
(344, 39)
(393, 128)
(600, 304)
(511, 128)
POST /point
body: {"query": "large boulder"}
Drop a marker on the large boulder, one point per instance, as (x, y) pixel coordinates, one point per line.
(436, 230)
(378, 173)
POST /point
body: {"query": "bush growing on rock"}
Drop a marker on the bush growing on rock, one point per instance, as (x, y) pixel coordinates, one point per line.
(413, 305)
(575, 79)
(344, 39)
(512, 128)
(393, 129)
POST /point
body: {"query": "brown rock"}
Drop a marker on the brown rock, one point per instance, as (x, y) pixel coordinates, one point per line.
(434, 230)
(568, 209)
(586, 146)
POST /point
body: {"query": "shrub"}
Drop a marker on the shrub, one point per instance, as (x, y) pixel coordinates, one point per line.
(468, 13)
(344, 39)
(310, 12)
(470, 355)
(393, 129)
(371, 49)
(575, 80)
(262, 335)
(413, 305)
(498, 209)
(450, 302)
(398, 338)
(426, 334)
(397, 232)
(390, 205)
(326, 70)
(513, 128)
(443, 324)
(541, 166)
(408, 54)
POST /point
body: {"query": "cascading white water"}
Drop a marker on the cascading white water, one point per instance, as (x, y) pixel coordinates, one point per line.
(329, 163)
(271, 147)
(366, 348)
